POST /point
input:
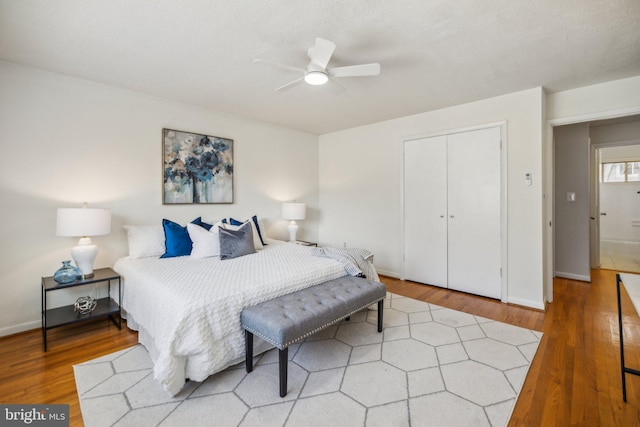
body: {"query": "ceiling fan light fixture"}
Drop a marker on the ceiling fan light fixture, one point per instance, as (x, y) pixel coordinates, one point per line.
(316, 78)
(317, 73)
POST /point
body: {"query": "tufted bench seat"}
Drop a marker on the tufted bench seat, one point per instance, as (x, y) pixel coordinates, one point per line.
(290, 318)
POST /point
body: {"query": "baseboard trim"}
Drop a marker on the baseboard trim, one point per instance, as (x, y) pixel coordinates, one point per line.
(527, 303)
(632, 242)
(391, 274)
(573, 276)
(16, 329)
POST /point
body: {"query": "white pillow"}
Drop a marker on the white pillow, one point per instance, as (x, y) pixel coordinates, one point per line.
(257, 243)
(145, 240)
(206, 243)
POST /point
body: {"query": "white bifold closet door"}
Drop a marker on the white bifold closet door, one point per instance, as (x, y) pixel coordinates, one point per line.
(452, 206)
(473, 178)
(425, 206)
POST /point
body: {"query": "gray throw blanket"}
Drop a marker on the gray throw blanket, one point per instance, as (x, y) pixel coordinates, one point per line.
(356, 261)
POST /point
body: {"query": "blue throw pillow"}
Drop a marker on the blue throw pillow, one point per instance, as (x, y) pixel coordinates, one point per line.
(235, 221)
(176, 238)
(236, 243)
(203, 224)
(255, 221)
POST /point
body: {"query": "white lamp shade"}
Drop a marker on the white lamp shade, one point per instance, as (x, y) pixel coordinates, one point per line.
(77, 222)
(294, 211)
(83, 222)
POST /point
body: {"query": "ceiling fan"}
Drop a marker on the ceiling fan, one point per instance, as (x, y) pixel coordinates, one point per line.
(317, 72)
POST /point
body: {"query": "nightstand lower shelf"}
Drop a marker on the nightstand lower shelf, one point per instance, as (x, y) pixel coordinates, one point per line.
(61, 316)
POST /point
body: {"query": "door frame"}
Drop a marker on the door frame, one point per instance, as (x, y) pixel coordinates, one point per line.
(597, 148)
(594, 205)
(503, 195)
(548, 172)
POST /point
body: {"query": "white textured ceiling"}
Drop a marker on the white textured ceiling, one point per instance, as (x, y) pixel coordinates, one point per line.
(433, 53)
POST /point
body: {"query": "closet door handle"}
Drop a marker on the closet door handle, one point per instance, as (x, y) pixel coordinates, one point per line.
(451, 216)
(441, 216)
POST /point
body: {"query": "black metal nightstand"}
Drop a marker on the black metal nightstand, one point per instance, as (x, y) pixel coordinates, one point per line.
(60, 316)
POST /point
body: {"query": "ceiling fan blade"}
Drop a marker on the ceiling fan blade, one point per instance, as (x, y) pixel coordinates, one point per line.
(290, 84)
(356, 70)
(335, 87)
(279, 66)
(320, 53)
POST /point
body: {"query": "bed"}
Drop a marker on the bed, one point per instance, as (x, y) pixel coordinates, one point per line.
(187, 310)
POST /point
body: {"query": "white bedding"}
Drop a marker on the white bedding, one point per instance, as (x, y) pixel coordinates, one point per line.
(188, 310)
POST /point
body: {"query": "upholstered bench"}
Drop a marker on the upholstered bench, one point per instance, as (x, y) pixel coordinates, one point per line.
(290, 318)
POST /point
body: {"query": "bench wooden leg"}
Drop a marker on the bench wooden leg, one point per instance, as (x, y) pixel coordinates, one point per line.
(248, 352)
(380, 307)
(284, 361)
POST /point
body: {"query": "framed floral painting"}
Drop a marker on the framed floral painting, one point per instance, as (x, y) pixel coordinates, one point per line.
(196, 168)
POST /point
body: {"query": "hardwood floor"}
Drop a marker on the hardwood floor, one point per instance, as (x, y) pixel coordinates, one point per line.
(574, 378)
(28, 375)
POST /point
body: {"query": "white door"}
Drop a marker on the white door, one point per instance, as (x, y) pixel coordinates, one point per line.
(425, 210)
(474, 234)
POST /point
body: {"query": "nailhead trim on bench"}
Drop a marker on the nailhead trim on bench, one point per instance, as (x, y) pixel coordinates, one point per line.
(318, 329)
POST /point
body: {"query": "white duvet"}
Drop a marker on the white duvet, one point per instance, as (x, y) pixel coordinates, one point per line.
(187, 311)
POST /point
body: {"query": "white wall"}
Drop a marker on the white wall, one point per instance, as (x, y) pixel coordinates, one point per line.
(603, 100)
(65, 141)
(617, 133)
(571, 144)
(620, 154)
(360, 184)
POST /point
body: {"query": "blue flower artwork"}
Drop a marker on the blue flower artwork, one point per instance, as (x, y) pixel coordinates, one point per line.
(197, 168)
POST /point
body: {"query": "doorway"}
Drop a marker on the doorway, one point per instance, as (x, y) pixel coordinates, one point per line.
(628, 132)
(619, 207)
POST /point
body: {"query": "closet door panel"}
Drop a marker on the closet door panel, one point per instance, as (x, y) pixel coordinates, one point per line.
(474, 242)
(425, 211)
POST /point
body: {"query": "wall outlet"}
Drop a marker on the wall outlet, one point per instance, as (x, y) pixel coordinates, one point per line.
(344, 245)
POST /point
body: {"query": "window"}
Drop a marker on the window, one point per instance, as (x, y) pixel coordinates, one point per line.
(633, 171)
(620, 172)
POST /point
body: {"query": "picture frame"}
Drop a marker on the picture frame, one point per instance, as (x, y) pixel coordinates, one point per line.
(196, 168)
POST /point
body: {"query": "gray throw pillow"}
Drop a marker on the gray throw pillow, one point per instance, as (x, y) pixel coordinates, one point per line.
(236, 243)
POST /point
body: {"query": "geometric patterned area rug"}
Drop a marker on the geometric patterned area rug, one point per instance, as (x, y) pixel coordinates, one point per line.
(430, 366)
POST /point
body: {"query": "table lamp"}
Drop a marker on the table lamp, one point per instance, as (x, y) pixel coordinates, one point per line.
(83, 222)
(293, 211)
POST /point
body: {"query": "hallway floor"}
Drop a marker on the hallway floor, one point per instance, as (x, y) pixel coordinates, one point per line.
(620, 256)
